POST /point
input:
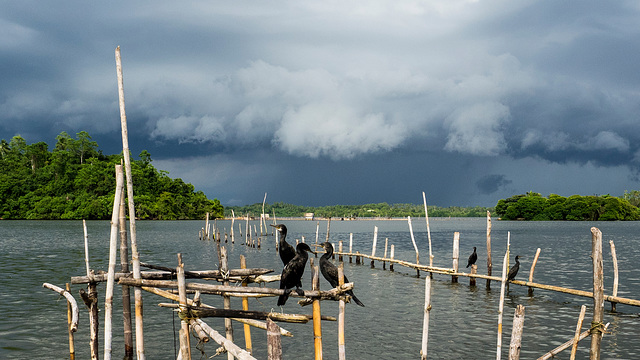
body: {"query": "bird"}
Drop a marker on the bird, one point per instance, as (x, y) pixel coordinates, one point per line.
(514, 269)
(285, 250)
(330, 271)
(472, 258)
(292, 273)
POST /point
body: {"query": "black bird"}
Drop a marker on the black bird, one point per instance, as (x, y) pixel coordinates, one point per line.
(473, 257)
(285, 250)
(514, 269)
(292, 273)
(330, 271)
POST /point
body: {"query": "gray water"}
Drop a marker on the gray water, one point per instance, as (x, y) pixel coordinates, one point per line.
(463, 322)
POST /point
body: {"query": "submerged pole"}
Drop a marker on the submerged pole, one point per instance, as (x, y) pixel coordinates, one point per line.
(516, 333)
(426, 215)
(456, 255)
(489, 265)
(615, 273)
(425, 321)
(245, 306)
(126, 295)
(598, 294)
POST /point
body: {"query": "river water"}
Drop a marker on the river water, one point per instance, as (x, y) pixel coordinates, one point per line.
(463, 322)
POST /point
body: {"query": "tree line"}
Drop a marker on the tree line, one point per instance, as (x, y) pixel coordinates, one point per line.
(379, 210)
(75, 180)
(533, 206)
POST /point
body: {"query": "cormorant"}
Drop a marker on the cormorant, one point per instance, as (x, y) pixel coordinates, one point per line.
(330, 271)
(292, 273)
(285, 250)
(514, 269)
(473, 257)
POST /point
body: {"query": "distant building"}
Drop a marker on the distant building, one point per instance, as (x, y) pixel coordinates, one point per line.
(308, 216)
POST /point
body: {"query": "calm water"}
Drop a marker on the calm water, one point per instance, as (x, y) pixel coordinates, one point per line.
(463, 320)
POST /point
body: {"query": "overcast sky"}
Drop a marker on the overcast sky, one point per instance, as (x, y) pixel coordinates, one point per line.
(340, 102)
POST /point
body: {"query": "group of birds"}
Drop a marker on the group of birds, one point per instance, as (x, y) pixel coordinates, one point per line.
(295, 260)
(512, 272)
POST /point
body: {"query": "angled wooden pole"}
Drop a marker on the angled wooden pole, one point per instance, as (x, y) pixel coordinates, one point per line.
(413, 241)
(576, 338)
(615, 273)
(533, 267)
(132, 212)
(426, 215)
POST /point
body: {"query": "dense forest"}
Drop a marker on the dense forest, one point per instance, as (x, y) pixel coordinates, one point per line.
(381, 210)
(76, 181)
(533, 206)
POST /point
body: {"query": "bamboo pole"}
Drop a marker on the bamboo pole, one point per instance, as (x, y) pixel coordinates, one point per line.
(185, 347)
(425, 321)
(413, 241)
(126, 296)
(426, 215)
(615, 273)
(229, 346)
(328, 227)
(91, 299)
(505, 266)
(568, 344)
(391, 257)
(72, 348)
(132, 213)
(533, 267)
(317, 327)
(317, 231)
(375, 241)
(516, 333)
(598, 294)
(472, 278)
(262, 218)
(74, 305)
(86, 247)
(113, 246)
(386, 245)
(224, 268)
(245, 306)
(233, 219)
(206, 227)
(350, 247)
(342, 355)
(574, 347)
(489, 265)
(339, 250)
(456, 255)
(274, 342)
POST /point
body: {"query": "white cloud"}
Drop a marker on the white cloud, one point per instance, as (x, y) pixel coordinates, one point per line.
(477, 129)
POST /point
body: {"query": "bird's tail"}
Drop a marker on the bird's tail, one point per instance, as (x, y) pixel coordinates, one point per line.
(355, 299)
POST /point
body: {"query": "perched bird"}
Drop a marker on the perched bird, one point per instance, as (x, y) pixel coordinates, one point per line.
(330, 271)
(292, 273)
(514, 269)
(285, 250)
(472, 258)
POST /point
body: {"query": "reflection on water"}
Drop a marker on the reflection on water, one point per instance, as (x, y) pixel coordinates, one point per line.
(463, 319)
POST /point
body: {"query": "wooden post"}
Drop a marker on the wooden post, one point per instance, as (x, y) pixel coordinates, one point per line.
(224, 269)
(262, 218)
(126, 296)
(375, 241)
(350, 247)
(598, 294)
(72, 348)
(489, 265)
(91, 299)
(206, 227)
(533, 267)
(233, 219)
(341, 313)
(576, 338)
(391, 256)
(567, 344)
(413, 240)
(317, 231)
(472, 279)
(274, 343)
(426, 215)
(615, 273)
(386, 245)
(328, 227)
(427, 311)
(456, 255)
(185, 346)
(516, 333)
(135, 260)
(505, 266)
(340, 250)
(317, 329)
(245, 306)
(113, 246)
(246, 231)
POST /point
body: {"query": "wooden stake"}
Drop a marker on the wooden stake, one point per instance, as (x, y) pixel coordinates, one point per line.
(126, 296)
(386, 245)
(427, 311)
(342, 355)
(489, 265)
(328, 227)
(245, 306)
(598, 294)
(185, 346)
(505, 266)
(375, 241)
(350, 247)
(533, 267)
(317, 328)
(456, 255)
(391, 257)
(568, 344)
(72, 348)
(233, 219)
(426, 215)
(113, 246)
(262, 218)
(516, 333)
(86, 247)
(224, 269)
(274, 342)
(340, 250)
(206, 227)
(132, 212)
(474, 271)
(615, 273)
(576, 338)
(413, 240)
(91, 300)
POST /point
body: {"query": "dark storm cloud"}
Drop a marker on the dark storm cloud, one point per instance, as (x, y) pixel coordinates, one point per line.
(357, 95)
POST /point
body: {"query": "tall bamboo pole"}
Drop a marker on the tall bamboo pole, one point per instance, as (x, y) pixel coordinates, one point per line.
(413, 240)
(233, 219)
(328, 227)
(386, 246)
(425, 321)
(505, 266)
(350, 247)
(126, 296)
(86, 247)
(598, 294)
(615, 273)
(113, 246)
(91, 300)
(185, 347)
(489, 265)
(342, 355)
(576, 338)
(456, 255)
(224, 269)
(262, 218)
(375, 241)
(132, 211)
(516, 333)
(72, 348)
(426, 215)
(245, 306)
(317, 328)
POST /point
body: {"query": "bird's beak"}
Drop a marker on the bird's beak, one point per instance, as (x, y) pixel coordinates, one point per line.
(273, 226)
